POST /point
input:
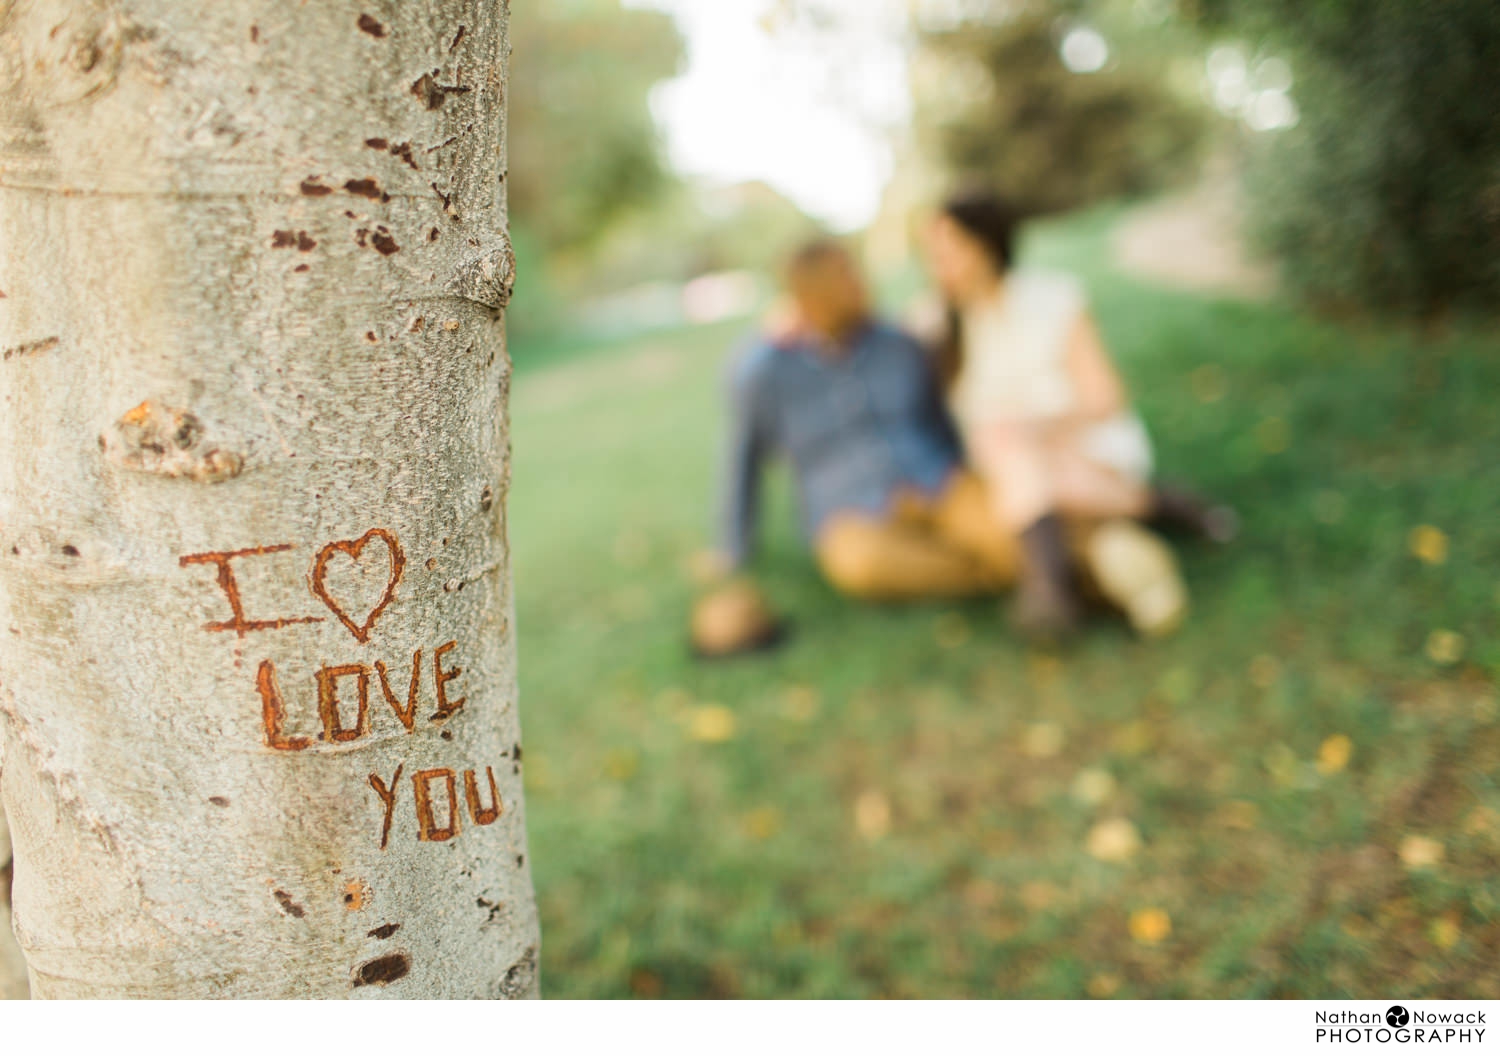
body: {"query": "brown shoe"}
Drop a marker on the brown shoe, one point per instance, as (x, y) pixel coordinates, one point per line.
(733, 620)
(1047, 606)
(1179, 511)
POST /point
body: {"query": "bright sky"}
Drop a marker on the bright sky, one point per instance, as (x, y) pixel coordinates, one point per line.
(755, 107)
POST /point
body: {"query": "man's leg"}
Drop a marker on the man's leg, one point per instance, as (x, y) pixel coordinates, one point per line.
(897, 559)
(965, 517)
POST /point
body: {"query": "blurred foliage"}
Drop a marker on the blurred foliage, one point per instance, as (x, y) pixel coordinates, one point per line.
(584, 149)
(995, 103)
(594, 207)
(694, 230)
(1387, 194)
(583, 145)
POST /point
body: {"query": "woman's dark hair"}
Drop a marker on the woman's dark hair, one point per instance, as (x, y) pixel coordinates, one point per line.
(991, 221)
(988, 218)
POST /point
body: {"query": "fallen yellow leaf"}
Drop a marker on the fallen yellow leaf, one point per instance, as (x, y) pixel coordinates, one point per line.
(1043, 740)
(621, 764)
(1150, 926)
(1421, 852)
(1093, 787)
(1445, 933)
(1105, 984)
(1445, 647)
(762, 823)
(1240, 814)
(872, 815)
(711, 724)
(1037, 895)
(1115, 840)
(1133, 738)
(1482, 821)
(1428, 544)
(1334, 754)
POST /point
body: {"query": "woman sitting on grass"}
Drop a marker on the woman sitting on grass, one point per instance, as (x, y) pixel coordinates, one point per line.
(1046, 421)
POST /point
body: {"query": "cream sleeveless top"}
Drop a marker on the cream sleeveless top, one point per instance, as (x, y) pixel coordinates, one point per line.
(1015, 367)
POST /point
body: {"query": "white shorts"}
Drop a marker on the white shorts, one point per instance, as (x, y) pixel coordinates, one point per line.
(1123, 444)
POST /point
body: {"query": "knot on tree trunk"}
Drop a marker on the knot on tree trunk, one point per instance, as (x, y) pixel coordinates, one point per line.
(155, 438)
(487, 276)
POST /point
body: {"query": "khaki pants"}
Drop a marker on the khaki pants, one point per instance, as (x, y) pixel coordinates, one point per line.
(957, 546)
(952, 546)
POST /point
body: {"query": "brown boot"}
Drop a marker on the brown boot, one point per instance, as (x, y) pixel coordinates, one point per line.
(1179, 511)
(1047, 604)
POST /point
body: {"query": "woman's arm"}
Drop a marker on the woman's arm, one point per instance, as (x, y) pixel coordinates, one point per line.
(1101, 394)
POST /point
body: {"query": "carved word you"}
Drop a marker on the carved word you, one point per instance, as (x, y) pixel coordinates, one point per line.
(438, 822)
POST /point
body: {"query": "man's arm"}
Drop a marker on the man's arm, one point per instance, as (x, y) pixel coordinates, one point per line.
(750, 441)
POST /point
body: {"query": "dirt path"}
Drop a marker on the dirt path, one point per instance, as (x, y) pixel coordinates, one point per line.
(1191, 240)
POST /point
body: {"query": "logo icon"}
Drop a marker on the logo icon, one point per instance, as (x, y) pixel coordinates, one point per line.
(1397, 1016)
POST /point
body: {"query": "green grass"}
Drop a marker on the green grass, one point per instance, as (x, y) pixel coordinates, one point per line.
(672, 866)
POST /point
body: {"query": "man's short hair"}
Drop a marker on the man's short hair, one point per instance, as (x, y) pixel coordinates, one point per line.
(812, 255)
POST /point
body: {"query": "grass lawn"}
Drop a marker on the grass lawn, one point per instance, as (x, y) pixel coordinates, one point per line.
(901, 803)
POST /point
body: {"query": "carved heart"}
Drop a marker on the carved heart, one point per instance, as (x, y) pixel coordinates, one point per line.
(353, 548)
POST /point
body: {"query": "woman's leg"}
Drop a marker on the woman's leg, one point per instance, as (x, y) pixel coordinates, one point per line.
(1136, 572)
(1084, 487)
(1019, 471)
(1032, 477)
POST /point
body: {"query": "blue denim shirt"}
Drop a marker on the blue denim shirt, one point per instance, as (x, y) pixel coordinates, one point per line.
(857, 427)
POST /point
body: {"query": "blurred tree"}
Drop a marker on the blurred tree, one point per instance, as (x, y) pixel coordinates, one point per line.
(694, 230)
(1386, 195)
(13, 985)
(584, 147)
(1028, 97)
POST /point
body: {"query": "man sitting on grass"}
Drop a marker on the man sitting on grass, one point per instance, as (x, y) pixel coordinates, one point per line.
(854, 407)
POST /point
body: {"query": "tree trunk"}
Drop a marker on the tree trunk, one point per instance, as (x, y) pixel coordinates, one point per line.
(258, 719)
(12, 963)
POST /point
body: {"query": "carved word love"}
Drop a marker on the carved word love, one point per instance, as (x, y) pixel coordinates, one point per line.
(335, 554)
(337, 727)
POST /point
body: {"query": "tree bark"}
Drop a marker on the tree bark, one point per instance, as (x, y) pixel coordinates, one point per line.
(258, 729)
(13, 985)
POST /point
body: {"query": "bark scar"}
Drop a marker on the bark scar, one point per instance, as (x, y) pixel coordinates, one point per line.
(31, 348)
(169, 441)
(488, 276)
